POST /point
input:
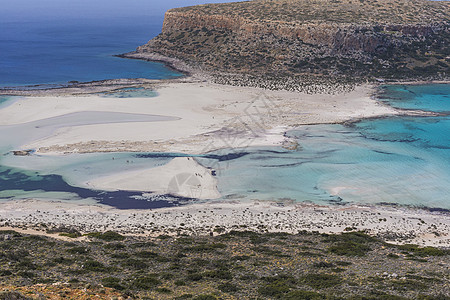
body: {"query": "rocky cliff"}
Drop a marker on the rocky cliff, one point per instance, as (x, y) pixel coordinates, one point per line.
(290, 38)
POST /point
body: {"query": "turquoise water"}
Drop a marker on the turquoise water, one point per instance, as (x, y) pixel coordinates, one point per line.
(4, 100)
(339, 164)
(403, 160)
(431, 97)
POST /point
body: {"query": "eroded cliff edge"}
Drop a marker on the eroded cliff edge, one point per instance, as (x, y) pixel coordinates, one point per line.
(343, 40)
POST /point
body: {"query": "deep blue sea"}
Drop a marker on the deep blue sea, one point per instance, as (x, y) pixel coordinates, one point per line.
(403, 160)
(56, 41)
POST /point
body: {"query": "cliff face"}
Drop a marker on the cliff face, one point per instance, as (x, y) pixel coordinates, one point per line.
(242, 43)
(339, 38)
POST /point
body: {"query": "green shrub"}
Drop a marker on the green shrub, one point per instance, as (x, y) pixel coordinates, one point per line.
(163, 290)
(275, 289)
(13, 295)
(245, 233)
(94, 266)
(355, 237)
(409, 285)
(228, 287)
(112, 282)
(180, 282)
(120, 255)
(146, 283)
(323, 264)
(430, 297)
(206, 247)
(26, 274)
(423, 251)
(63, 260)
(146, 254)
(184, 296)
(77, 250)
(107, 236)
(72, 235)
(350, 249)
(219, 274)
(241, 257)
(303, 295)
(11, 233)
(343, 263)
(269, 251)
(114, 246)
(5, 272)
(320, 281)
(134, 263)
(377, 296)
(164, 237)
(27, 264)
(143, 245)
(194, 277)
(35, 238)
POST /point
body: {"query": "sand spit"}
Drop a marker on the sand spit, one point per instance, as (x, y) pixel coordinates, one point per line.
(208, 117)
(393, 224)
(84, 88)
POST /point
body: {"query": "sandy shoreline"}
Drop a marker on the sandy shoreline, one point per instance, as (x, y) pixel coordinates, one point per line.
(393, 224)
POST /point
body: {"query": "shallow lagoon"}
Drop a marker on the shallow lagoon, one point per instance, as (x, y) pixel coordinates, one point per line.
(339, 164)
(403, 160)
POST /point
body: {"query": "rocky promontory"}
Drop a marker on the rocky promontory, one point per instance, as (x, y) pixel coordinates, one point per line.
(301, 40)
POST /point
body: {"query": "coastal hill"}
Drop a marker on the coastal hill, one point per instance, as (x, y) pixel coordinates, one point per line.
(357, 39)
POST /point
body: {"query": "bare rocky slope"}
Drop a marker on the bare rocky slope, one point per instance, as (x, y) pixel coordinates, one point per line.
(298, 39)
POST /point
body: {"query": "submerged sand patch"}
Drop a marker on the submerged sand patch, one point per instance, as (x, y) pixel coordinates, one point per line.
(191, 180)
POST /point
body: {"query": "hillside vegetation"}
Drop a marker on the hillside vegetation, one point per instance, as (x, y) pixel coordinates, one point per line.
(229, 265)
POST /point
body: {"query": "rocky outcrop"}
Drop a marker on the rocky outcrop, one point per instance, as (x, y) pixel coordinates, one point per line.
(266, 44)
(340, 38)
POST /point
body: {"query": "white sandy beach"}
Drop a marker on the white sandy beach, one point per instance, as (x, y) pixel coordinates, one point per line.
(207, 115)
